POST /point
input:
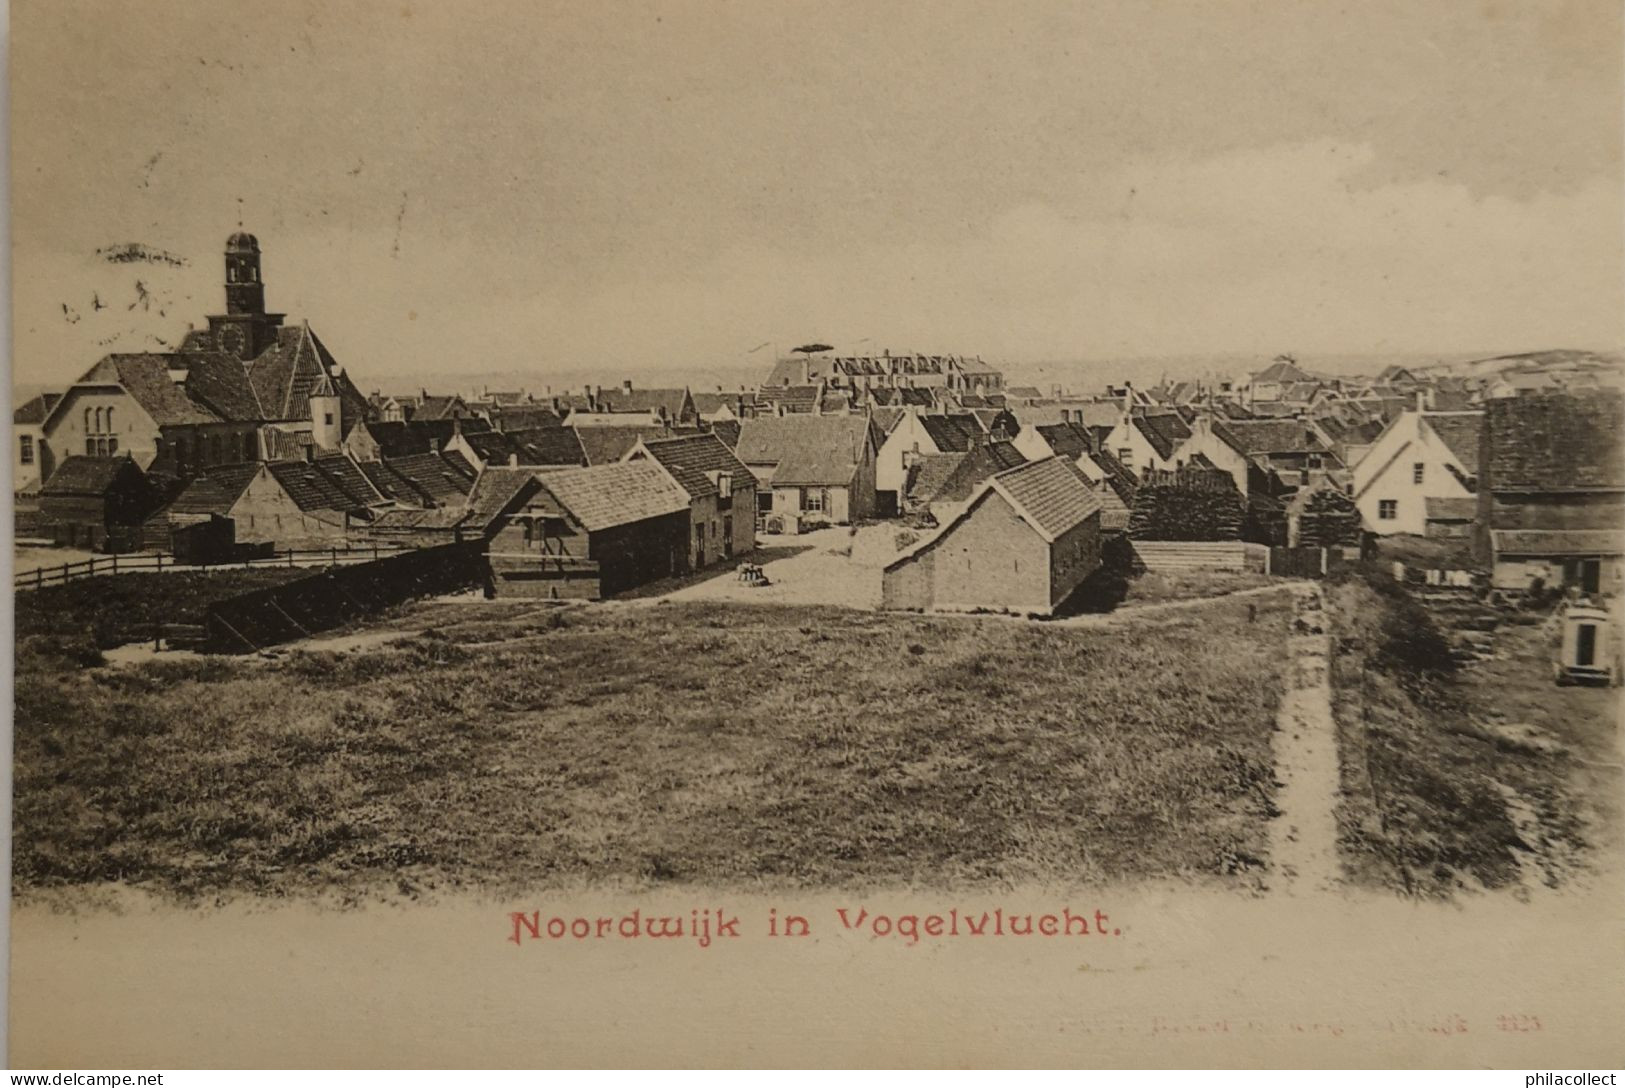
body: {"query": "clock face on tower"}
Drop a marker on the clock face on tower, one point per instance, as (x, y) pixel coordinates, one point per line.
(233, 340)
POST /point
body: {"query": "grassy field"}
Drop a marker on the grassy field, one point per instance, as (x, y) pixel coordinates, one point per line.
(501, 746)
(1488, 777)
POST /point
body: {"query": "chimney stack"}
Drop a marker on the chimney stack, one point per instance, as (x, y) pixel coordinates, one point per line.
(1421, 400)
(626, 385)
(806, 371)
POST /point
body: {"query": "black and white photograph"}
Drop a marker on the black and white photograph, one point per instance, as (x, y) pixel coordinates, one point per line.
(1065, 533)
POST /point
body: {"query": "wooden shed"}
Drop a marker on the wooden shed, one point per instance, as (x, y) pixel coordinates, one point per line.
(96, 503)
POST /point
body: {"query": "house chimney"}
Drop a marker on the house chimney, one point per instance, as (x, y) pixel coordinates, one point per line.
(626, 385)
(806, 370)
(1421, 400)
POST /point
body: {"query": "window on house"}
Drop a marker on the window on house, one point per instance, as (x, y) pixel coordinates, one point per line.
(1126, 456)
(27, 449)
(812, 500)
(1388, 509)
(725, 485)
(90, 447)
(112, 445)
(1416, 472)
(327, 418)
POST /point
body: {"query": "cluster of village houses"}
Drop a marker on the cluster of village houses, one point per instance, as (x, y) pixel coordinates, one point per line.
(1009, 491)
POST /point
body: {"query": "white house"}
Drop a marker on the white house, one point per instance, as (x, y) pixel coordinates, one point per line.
(1150, 440)
(1419, 456)
(915, 435)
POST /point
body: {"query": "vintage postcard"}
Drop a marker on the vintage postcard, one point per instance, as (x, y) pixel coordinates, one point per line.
(1060, 533)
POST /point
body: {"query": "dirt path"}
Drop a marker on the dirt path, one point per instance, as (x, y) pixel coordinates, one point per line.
(1303, 837)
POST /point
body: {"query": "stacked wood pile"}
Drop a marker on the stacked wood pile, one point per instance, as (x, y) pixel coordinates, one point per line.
(1328, 518)
(1187, 504)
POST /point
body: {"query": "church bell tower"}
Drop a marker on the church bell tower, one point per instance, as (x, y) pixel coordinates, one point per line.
(245, 294)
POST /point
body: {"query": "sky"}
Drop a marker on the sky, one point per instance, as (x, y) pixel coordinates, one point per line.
(686, 188)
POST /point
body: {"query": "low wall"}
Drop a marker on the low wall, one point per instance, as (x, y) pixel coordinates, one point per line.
(1177, 555)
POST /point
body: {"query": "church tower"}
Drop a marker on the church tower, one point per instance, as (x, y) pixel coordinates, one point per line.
(245, 329)
(245, 294)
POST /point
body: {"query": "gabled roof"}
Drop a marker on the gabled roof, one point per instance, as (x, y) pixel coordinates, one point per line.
(524, 417)
(326, 483)
(792, 398)
(35, 409)
(1556, 442)
(1268, 436)
(549, 446)
(1166, 432)
(1051, 495)
(952, 434)
(694, 462)
(807, 451)
(953, 477)
(668, 401)
(1067, 440)
(397, 438)
(439, 407)
(80, 475)
(444, 477)
(727, 430)
(216, 490)
(607, 445)
(605, 496)
(1282, 371)
(146, 378)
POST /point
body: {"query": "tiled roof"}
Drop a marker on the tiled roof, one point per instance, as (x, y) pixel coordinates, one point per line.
(1558, 541)
(81, 475)
(668, 401)
(146, 378)
(220, 383)
(396, 438)
(1049, 494)
(1023, 392)
(608, 444)
(816, 451)
(1460, 433)
(694, 459)
(954, 477)
(727, 430)
(444, 477)
(792, 398)
(1282, 372)
(35, 409)
(930, 474)
(605, 496)
(952, 434)
(439, 407)
(1068, 440)
(495, 490)
(217, 490)
(327, 483)
(524, 417)
(1445, 509)
(548, 446)
(1556, 442)
(1250, 436)
(1166, 432)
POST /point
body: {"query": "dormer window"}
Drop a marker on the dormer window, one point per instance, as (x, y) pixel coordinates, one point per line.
(725, 485)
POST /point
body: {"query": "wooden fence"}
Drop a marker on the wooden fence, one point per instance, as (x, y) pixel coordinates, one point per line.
(1177, 555)
(340, 594)
(99, 565)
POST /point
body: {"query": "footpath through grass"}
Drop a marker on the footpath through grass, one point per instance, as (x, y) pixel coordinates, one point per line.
(503, 747)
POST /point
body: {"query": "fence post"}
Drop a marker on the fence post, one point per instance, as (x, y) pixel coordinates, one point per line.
(333, 559)
(290, 558)
(115, 562)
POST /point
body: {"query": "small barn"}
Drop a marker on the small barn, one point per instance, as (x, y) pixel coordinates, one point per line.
(96, 503)
(1026, 539)
(582, 532)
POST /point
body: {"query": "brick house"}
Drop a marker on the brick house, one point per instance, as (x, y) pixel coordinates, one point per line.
(1551, 491)
(721, 493)
(1024, 542)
